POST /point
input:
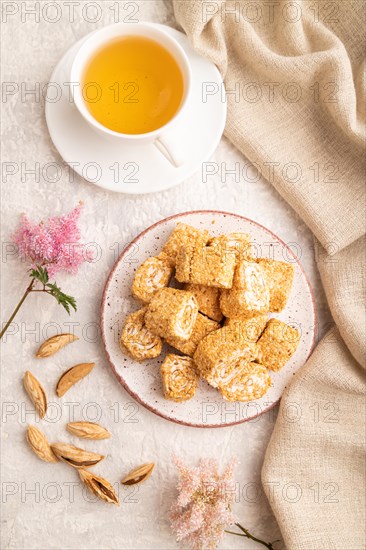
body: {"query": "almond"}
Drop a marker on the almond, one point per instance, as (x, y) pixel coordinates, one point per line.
(35, 392)
(71, 376)
(78, 458)
(54, 344)
(99, 486)
(138, 475)
(88, 430)
(39, 444)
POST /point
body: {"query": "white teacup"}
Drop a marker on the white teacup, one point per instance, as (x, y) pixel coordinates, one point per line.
(165, 138)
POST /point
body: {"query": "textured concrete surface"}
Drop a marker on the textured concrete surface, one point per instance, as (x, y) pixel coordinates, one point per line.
(44, 505)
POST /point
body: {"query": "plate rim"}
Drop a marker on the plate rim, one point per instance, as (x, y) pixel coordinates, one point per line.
(102, 317)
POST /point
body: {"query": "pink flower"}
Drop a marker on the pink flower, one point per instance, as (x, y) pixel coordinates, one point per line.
(202, 510)
(53, 244)
(50, 247)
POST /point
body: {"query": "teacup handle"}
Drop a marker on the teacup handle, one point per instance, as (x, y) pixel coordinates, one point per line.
(170, 149)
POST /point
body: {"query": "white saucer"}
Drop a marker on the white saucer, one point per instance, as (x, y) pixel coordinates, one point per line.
(131, 168)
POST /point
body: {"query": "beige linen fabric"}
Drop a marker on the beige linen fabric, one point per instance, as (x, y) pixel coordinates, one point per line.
(295, 72)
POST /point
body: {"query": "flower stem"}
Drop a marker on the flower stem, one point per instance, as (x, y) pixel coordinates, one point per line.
(29, 289)
(246, 534)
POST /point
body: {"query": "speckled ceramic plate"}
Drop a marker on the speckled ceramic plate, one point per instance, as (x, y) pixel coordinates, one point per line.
(143, 382)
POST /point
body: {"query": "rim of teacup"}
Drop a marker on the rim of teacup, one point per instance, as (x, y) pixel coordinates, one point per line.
(90, 46)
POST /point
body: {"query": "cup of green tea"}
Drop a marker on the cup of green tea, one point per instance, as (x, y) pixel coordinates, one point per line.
(131, 82)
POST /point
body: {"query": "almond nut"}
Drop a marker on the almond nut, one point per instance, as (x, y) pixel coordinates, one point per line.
(138, 475)
(71, 376)
(35, 392)
(99, 486)
(78, 458)
(39, 444)
(88, 430)
(54, 344)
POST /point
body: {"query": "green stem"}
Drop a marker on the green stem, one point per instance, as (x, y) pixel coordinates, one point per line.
(246, 534)
(44, 289)
(29, 289)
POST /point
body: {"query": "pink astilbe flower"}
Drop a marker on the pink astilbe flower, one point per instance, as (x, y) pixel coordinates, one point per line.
(202, 510)
(49, 247)
(54, 243)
